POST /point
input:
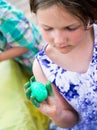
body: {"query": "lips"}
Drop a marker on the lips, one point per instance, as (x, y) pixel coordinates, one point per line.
(62, 47)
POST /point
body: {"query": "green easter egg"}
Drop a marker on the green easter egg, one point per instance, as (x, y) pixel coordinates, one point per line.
(39, 91)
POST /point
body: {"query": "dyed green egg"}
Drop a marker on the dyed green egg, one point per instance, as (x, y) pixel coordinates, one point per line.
(38, 91)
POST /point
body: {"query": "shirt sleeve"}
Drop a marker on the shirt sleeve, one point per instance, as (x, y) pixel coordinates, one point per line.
(17, 29)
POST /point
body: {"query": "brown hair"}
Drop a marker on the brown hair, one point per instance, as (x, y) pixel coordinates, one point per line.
(85, 10)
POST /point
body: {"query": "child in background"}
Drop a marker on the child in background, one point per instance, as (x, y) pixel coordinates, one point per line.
(19, 38)
(69, 61)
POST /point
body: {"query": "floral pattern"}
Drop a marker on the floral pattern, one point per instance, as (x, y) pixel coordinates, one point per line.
(79, 89)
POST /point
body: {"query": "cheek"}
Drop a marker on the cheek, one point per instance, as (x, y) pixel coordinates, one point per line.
(78, 36)
(46, 36)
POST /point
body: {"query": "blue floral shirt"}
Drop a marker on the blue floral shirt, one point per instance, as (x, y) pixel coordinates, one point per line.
(79, 89)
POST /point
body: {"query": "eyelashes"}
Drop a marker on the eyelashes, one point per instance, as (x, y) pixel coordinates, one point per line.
(66, 28)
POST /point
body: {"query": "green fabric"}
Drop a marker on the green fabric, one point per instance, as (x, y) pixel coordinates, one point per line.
(17, 31)
(16, 113)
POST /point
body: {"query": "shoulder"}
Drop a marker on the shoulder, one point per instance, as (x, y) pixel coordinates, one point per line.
(95, 29)
(38, 73)
(36, 69)
(9, 14)
(8, 10)
(11, 17)
(95, 35)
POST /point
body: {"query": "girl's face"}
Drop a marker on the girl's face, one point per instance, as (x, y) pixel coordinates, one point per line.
(60, 29)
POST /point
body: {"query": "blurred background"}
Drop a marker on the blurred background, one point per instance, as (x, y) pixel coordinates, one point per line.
(24, 6)
(16, 113)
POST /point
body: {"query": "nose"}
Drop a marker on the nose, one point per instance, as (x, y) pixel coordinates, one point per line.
(58, 37)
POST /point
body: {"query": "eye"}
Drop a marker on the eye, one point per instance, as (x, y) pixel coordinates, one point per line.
(72, 28)
(48, 29)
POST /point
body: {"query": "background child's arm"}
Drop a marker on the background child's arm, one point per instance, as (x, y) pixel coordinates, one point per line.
(12, 53)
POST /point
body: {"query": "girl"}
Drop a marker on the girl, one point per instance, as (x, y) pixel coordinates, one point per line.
(69, 61)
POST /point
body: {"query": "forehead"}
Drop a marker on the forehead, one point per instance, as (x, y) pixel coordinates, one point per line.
(56, 16)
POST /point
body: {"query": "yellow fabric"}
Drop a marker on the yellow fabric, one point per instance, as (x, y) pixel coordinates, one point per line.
(16, 113)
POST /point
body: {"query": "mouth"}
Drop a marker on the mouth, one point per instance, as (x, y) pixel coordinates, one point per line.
(64, 49)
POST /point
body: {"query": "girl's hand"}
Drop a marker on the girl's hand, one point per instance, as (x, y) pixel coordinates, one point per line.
(37, 92)
(59, 110)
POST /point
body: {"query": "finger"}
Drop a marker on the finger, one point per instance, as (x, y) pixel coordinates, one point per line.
(47, 109)
(50, 100)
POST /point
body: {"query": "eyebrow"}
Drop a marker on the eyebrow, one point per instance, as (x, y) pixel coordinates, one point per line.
(62, 27)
